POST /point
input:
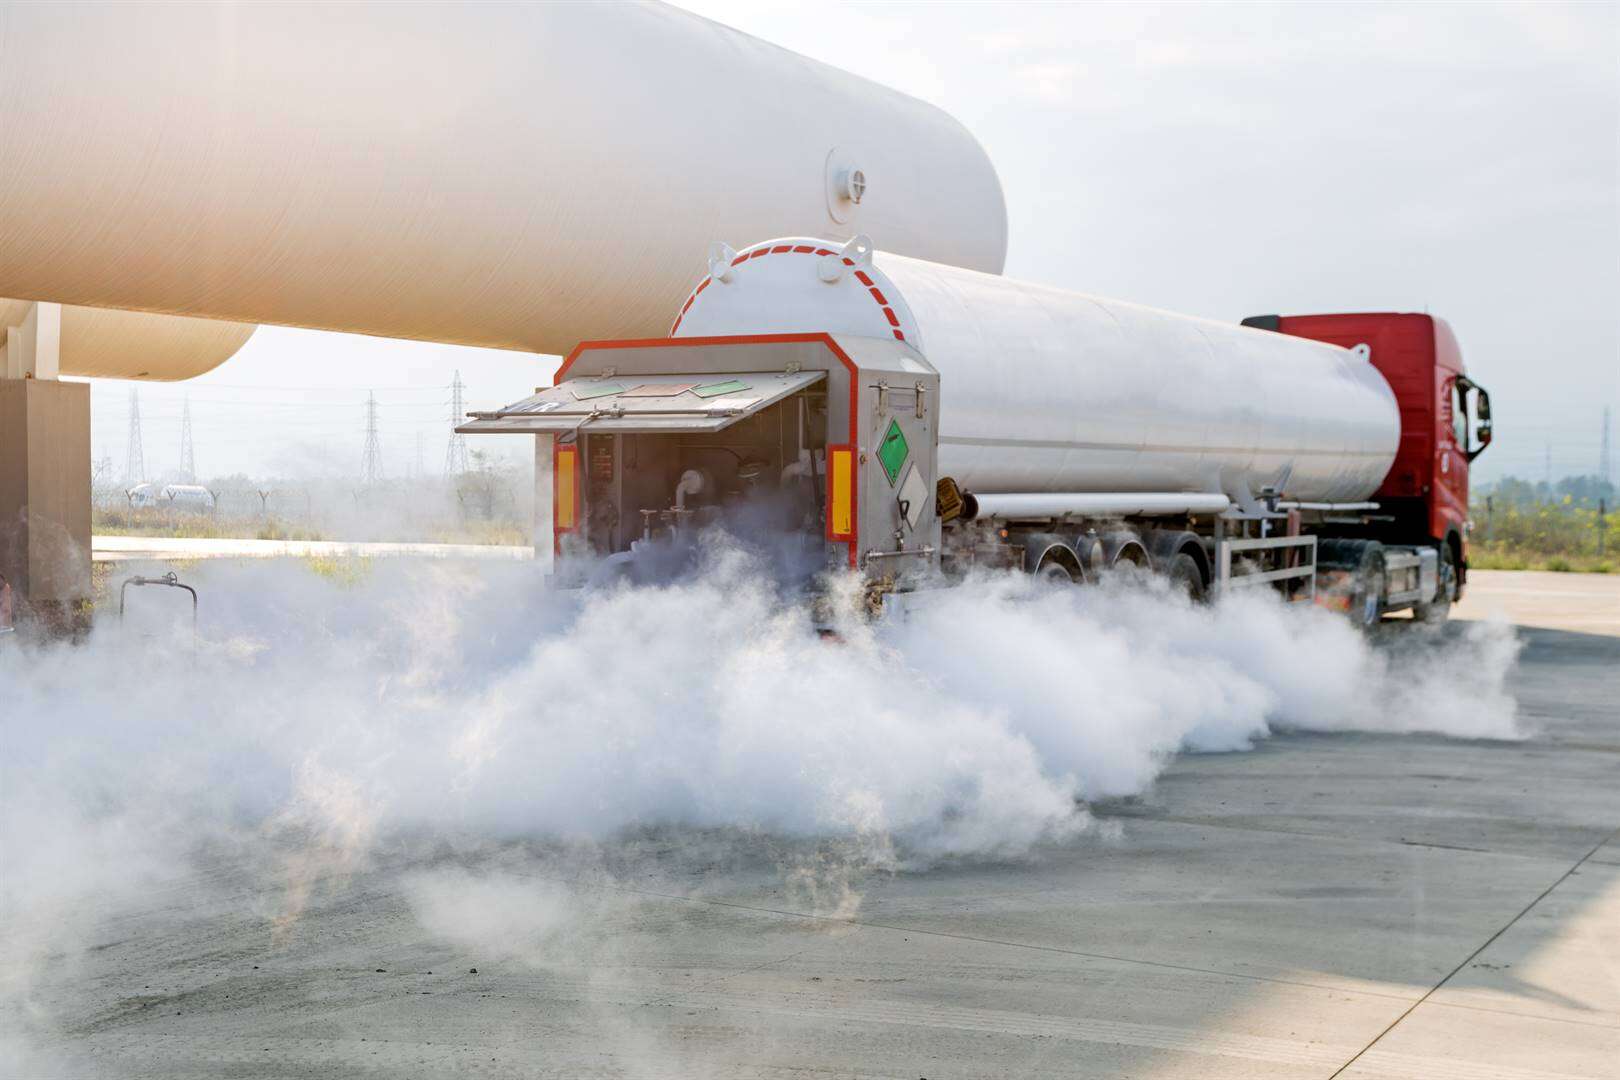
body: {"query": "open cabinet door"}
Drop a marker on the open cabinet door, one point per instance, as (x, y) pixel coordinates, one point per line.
(632, 404)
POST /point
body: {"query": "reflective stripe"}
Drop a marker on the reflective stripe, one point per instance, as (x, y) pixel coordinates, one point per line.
(840, 493)
(565, 465)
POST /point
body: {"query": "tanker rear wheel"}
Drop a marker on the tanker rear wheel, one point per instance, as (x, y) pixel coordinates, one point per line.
(1185, 577)
(1056, 569)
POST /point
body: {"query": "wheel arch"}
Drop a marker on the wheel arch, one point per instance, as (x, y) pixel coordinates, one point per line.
(1125, 545)
(1054, 551)
(1165, 545)
(1454, 540)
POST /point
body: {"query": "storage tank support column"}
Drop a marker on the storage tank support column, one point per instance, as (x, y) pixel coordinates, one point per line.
(44, 475)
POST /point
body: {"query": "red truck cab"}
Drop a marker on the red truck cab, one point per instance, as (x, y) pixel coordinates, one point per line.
(1445, 422)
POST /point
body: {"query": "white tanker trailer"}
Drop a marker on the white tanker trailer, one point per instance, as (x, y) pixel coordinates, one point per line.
(910, 420)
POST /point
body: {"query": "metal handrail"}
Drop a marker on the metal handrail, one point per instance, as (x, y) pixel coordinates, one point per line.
(1305, 571)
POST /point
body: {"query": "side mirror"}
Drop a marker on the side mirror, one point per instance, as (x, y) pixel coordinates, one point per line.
(1482, 421)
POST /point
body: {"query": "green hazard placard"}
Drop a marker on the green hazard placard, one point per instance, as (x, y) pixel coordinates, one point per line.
(893, 451)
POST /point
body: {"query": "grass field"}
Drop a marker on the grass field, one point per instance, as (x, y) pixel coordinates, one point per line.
(1559, 535)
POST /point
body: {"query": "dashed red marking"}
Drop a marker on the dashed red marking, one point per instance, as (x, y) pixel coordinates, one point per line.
(802, 249)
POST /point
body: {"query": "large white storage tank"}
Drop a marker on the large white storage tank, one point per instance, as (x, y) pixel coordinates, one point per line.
(513, 175)
(108, 344)
(1044, 390)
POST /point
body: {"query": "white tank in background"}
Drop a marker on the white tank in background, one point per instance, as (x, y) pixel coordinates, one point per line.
(514, 175)
(142, 496)
(191, 498)
(187, 498)
(1044, 390)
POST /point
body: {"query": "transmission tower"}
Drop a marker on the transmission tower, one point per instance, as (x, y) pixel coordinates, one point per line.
(455, 454)
(371, 463)
(134, 459)
(1603, 454)
(188, 458)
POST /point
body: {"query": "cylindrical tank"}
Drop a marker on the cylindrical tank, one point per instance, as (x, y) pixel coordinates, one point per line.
(1043, 390)
(513, 175)
(109, 344)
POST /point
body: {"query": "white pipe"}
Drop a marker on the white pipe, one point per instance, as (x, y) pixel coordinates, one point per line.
(797, 469)
(1335, 507)
(691, 484)
(1020, 506)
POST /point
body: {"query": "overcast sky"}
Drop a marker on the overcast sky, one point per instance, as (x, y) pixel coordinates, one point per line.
(1222, 160)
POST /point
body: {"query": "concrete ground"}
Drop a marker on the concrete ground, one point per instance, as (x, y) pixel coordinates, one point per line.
(1584, 603)
(158, 548)
(1357, 906)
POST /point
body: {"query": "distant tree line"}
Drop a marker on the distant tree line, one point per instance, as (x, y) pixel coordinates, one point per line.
(1585, 491)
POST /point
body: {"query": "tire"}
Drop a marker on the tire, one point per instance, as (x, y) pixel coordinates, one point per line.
(1054, 571)
(1185, 577)
(1367, 594)
(1437, 610)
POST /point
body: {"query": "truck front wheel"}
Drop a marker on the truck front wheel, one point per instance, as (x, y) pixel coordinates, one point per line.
(1367, 595)
(1438, 608)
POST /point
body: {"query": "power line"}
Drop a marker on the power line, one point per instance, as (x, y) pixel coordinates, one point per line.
(455, 454)
(134, 458)
(371, 463)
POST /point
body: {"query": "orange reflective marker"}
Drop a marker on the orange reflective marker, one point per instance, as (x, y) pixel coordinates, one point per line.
(565, 489)
(840, 493)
